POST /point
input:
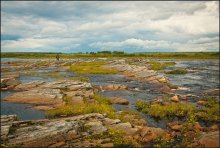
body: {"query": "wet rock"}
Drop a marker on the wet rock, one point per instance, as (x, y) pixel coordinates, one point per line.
(175, 98)
(209, 139)
(119, 101)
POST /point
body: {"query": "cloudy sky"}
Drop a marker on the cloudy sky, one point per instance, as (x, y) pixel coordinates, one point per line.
(141, 26)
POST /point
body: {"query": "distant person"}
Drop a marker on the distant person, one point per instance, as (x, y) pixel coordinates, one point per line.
(58, 57)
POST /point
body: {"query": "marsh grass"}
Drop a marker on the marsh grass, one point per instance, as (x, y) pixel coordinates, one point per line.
(209, 112)
(168, 110)
(82, 79)
(102, 106)
(91, 68)
(177, 71)
(160, 65)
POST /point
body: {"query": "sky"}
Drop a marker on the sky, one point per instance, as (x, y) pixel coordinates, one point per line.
(91, 26)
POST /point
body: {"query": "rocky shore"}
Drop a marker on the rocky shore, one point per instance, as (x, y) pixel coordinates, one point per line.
(92, 129)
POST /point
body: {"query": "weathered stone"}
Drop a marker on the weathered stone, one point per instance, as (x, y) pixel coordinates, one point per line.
(175, 98)
(125, 127)
(51, 97)
(209, 139)
(112, 87)
(175, 126)
(150, 133)
(201, 102)
(108, 121)
(119, 101)
(29, 85)
(96, 127)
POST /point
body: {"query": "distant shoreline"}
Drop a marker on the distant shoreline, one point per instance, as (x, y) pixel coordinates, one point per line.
(109, 54)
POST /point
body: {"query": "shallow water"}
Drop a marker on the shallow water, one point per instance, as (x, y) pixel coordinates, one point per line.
(204, 76)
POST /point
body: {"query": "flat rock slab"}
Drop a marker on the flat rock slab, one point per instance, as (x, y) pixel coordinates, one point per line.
(37, 96)
(48, 95)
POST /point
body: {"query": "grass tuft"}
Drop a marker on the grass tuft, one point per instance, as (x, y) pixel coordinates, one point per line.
(177, 71)
(160, 66)
(91, 68)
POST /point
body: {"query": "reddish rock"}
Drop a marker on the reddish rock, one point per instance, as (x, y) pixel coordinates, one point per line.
(175, 98)
(201, 102)
(119, 101)
(210, 139)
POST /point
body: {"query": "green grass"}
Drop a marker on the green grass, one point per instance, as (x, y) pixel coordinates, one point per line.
(82, 79)
(85, 108)
(103, 105)
(160, 65)
(209, 112)
(91, 68)
(165, 111)
(177, 71)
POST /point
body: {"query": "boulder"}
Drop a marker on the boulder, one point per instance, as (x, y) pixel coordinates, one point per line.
(119, 101)
(148, 134)
(175, 98)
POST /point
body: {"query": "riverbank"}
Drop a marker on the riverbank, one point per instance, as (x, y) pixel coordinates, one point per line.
(69, 89)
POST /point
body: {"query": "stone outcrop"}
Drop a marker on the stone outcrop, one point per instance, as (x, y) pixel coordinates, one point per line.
(113, 87)
(9, 83)
(70, 132)
(142, 73)
(51, 94)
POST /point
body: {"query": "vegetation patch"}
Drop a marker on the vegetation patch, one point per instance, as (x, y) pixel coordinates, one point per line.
(168, 110)
(177, 71)
(160, 66)
(82, 79)
(117, 137)
(102, 106)
(91, 68)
